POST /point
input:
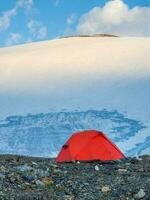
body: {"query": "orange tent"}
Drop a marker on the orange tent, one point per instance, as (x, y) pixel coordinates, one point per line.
(87, 146)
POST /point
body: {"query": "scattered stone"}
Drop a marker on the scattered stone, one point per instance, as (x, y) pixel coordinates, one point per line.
(34, 163)
(122, 170)
(139, 158)
(3, 169)
(54, 165)
(23, 168)
(57, 171)
(68, 197)
(78, 162)
(86, 184)
(71, 181)
(42, 173)
(105, 189)
(2, 176)
(96, 167)
(140, 195)
(127, 164)
(39, 183)
(28, 178)
(47, 180)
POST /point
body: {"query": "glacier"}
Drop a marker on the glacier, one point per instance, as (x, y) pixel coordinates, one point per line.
(44, 134)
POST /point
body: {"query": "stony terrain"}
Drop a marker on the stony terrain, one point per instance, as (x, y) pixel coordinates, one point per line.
(40, 178)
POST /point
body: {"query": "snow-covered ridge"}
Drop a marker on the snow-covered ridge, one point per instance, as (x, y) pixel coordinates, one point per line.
(44, 134)
(63, 61)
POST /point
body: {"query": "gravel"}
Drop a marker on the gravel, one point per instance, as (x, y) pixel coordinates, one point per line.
(41, 178)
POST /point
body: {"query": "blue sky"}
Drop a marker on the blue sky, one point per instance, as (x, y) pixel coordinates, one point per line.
(23, 21)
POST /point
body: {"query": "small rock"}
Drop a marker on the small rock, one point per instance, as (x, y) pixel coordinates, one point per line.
(2, 176)
(139, 158)
(42, 173)
(127, 164)
(12, 179)
(28, 178)
(86, 184)
(105, 189)
(2, 169)
(141, 169)
(78, 162)
(34, 163)
(134, 161)
(54, 165)
(140, 194)
(23, 168)
(96, 168)
(68, 197)
(57, 171)
(47, 180)
(39, 183)
(122, 170)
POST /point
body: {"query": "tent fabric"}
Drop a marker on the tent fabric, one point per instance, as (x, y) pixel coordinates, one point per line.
(89, 145)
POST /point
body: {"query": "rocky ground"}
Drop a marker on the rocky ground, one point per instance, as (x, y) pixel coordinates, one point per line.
(39, 178)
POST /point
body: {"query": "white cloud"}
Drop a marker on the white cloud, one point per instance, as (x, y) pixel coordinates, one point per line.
(56, 2)
(71, 19)
(5, 19)
(37, 29)
(116, 18)
(28, 4)
(14, 38)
